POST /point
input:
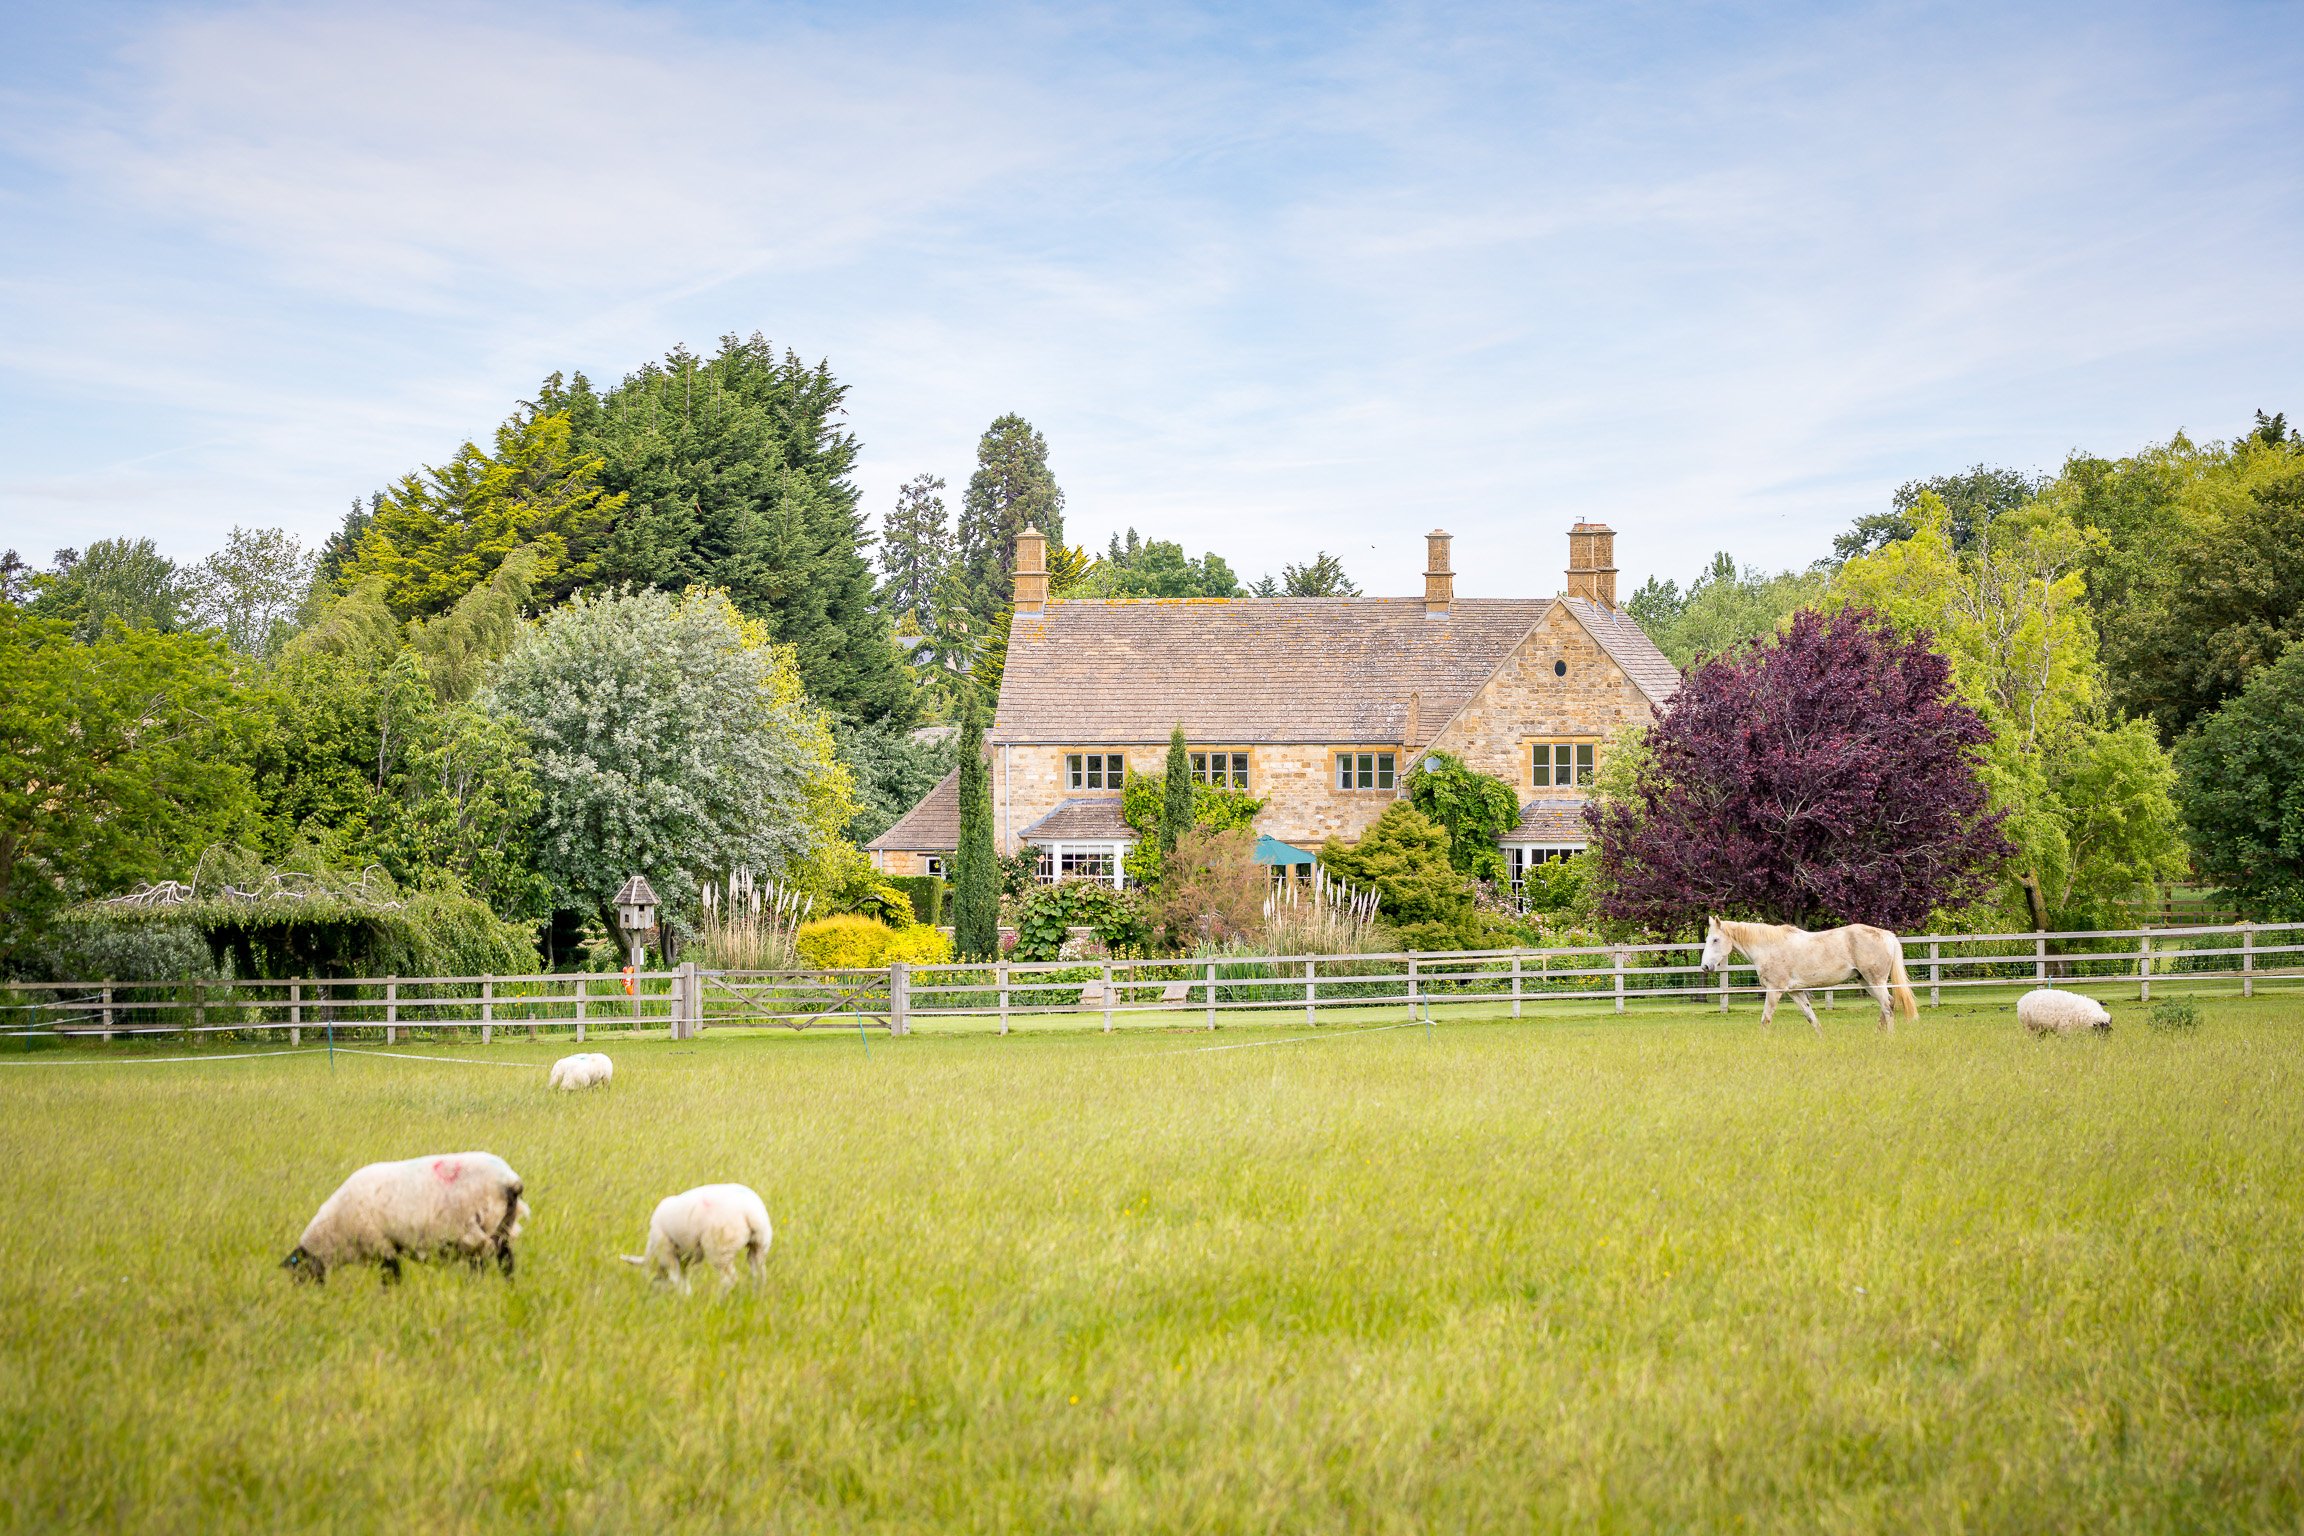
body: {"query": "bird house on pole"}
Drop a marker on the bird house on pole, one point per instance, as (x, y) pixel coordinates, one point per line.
(636, 905)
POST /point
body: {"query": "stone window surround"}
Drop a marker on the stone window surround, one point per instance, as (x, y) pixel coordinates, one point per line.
(1583, 773)
(1232, 774)
(1383, 766)
(1101, 763)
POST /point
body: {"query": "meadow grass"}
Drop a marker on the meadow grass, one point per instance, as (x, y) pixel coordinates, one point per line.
(1664, 1271)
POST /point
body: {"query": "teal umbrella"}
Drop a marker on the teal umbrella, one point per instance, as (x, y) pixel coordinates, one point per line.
(1270, 850)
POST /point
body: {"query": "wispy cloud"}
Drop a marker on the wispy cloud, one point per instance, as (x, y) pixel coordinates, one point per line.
(1269, 281)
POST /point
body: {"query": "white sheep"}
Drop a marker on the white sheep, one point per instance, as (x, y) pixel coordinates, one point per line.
(585, 1069)
(2050, 1011)
(713, 1223)
(465, 1204)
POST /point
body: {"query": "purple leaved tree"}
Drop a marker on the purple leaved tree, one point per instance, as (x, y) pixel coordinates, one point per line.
(1826, 776)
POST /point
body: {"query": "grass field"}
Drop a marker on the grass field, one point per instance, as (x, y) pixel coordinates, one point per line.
(1665, 1271)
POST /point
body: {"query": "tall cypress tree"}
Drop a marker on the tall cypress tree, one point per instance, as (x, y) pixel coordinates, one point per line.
(738, 475)
(1176, 793)
(975, 868)
(1011, 490)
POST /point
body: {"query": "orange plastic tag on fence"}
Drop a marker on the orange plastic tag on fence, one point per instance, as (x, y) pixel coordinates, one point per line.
(629, 989)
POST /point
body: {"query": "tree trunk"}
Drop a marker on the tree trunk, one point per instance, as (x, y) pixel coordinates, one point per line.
(2037, 901)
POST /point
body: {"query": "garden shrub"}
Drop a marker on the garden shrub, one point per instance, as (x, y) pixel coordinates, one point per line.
(2174, 1013)
(1404, 858)
(1046, 911)
(1214, 889)
(849, 941)
(920, 945)
(926, 893)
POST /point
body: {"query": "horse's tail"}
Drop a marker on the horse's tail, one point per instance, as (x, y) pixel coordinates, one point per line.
(1900, 985)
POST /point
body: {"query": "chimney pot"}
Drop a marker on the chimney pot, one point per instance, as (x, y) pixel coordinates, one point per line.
(1031, 571)
(1592, 563)
(1439, 580)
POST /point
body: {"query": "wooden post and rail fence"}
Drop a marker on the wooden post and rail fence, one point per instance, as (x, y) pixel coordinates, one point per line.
(682, 1001)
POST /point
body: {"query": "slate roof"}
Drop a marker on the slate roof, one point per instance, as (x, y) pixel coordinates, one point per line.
(1623, 638)
(1255, 670)
(1552, 822)
(932, 826)
(1087, 820)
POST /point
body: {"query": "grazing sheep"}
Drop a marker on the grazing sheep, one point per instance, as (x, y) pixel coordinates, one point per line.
(2049, 1011)
(585, 1069)
(714, 1224)
(466, 1204)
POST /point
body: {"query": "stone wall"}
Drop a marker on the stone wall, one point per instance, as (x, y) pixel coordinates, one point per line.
(1529, 700)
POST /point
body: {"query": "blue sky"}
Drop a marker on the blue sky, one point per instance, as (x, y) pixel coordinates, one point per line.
(1270, 280)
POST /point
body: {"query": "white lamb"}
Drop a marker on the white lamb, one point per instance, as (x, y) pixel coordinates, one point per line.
(2050, 1011)
(713, 1223)
(466, 1204)
(585, 1069)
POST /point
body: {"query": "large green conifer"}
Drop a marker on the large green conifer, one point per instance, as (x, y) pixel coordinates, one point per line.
(1011, 490)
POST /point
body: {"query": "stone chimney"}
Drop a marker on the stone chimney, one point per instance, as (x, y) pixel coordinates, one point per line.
(1031, 571)
(1592, 563)
(1439, 580)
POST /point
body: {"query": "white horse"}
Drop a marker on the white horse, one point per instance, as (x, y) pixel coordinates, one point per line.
(1794, 960)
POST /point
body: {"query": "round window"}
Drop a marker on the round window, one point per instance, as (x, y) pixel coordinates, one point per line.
(1559, 669)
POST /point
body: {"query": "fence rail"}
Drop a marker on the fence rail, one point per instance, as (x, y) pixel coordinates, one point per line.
(2237, 957)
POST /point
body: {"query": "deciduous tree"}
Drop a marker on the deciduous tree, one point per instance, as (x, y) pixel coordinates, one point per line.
(251, 590)
(672, 740)
(1826, 775)
(126, 756)
(2242, 788)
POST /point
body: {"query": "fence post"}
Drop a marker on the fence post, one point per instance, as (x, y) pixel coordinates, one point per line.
(1311, 985)
(1619, 981)
(2144, 968)
(2247, 965)
(295, 1013)
(583, 991)
(1211, 994)
(1107, 997)
(1411, 988)
(1000, 973)
(1935, 973)
(1515, 984)
(107, 1013)
(487, 1009)
(199, 1011)
(692, 999)
(2039, 959)
(899, 998)
(1724, 970)
(391, 1009)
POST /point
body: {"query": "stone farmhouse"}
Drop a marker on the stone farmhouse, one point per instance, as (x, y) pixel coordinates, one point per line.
(1321, 706)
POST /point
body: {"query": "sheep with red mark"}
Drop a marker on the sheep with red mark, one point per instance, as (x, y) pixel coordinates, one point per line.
(460, 1205)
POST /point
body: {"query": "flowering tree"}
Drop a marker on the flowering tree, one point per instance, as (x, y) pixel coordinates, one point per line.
(671, 739)
(1825, 776)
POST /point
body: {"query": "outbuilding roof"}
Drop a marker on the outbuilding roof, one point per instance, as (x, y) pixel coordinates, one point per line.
(932, 826)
